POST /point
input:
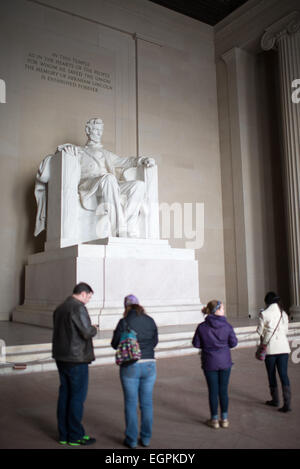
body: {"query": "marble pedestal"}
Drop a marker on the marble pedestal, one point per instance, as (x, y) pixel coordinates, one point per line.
(163, 278)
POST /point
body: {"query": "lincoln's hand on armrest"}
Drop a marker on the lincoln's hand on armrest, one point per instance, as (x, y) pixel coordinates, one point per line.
(68, 148)
(148, 162)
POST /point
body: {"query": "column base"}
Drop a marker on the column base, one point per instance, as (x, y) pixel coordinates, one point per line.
(295, 313)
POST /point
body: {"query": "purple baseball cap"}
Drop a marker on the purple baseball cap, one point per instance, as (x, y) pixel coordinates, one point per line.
(130, 300)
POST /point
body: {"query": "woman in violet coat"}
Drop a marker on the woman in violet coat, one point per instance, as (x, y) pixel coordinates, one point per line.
(215, 337)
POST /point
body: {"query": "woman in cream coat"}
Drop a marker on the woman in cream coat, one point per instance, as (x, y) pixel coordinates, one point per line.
(278, 348)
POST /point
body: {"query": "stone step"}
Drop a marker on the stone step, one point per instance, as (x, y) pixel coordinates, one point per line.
(173, 341)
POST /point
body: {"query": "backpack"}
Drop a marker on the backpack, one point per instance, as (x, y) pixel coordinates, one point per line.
(128, 350)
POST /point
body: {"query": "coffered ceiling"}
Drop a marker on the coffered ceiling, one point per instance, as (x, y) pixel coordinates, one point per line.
(207, 11)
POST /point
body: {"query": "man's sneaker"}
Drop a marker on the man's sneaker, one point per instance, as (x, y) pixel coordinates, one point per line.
(85, 441)
(62, 442)
(213, 423)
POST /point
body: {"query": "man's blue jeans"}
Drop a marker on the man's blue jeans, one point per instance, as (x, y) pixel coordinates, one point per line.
(217, 382)
(72, 394)
(137, 382)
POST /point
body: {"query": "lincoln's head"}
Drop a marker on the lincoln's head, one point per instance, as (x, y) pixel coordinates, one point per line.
(94, 129)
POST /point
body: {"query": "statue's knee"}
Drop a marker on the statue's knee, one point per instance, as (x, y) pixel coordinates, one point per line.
(110, 179)
(140, 186)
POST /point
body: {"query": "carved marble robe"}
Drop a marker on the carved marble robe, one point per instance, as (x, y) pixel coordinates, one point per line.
(102, 176)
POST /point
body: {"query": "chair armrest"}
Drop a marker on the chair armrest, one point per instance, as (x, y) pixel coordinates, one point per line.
(138, 173)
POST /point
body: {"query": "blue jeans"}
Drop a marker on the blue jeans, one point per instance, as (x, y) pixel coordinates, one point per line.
(72, 394)
(279, 361)
(137, 382)
(217, 382)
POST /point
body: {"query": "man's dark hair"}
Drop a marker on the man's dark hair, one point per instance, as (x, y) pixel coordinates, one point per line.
(82, 287)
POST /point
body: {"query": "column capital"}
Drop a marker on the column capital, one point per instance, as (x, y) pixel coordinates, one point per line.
(289, 24)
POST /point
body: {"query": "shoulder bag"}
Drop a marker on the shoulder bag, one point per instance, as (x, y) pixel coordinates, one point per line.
(261, 350)
(128, 350)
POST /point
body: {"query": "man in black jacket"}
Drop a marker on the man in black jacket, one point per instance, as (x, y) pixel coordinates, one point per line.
(72, 348)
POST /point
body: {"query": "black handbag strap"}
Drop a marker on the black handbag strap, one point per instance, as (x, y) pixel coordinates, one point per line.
(126, 327)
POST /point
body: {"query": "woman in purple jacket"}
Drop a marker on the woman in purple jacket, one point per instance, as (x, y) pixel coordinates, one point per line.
(215, 337)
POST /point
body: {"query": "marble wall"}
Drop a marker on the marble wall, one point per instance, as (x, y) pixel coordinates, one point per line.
(148, 72)
(252, 157)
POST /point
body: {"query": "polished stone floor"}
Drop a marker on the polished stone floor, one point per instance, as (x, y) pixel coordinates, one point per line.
(28, 408)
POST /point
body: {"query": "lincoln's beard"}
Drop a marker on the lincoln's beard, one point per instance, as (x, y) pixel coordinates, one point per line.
(94, 140)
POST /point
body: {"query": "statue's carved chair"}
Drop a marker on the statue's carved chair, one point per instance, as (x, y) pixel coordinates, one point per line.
(61, 213)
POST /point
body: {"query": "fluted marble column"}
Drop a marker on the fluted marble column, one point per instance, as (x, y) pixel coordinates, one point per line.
(284, 36)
